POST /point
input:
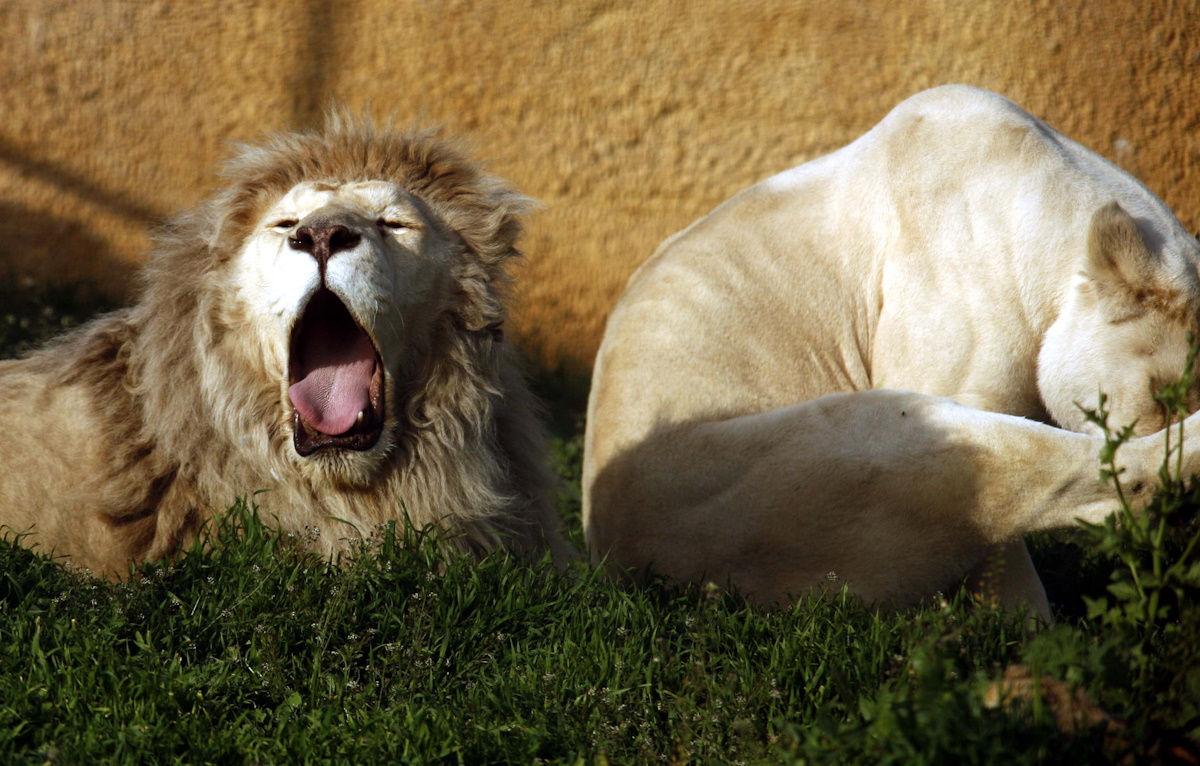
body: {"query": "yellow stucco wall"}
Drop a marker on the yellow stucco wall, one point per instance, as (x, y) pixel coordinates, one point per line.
(628, 120)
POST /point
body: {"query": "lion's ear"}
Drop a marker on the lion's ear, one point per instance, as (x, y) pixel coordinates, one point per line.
(1121, 270)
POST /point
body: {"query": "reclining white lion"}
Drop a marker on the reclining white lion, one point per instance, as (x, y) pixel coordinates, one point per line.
(766, 405)
(326, 327)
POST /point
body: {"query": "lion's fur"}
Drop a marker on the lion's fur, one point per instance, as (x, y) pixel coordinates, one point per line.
(169, 410)
(961, 249)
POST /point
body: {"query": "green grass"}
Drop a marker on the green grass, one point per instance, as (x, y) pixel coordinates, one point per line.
(255, 652)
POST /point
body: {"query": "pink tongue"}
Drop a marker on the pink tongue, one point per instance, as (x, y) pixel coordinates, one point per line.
(335, 383)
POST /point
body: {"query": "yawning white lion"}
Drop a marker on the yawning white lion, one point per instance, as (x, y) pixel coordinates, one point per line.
(765, 406)
(327, 327)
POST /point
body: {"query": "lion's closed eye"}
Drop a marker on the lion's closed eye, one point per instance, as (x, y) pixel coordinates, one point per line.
(286, 223)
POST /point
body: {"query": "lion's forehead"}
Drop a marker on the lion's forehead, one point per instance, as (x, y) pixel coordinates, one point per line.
(371, 197)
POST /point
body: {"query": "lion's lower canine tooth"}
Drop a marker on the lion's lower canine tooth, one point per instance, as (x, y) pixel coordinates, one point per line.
(360, 417)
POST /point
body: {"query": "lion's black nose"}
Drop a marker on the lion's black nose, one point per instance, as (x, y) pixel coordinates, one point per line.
(324, 242)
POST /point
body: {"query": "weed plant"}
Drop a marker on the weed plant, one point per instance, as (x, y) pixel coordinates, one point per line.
(254, 651)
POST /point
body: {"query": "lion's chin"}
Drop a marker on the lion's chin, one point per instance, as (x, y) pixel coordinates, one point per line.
(346, 468)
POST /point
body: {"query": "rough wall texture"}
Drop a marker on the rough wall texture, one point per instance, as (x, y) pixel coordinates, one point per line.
(628, 121)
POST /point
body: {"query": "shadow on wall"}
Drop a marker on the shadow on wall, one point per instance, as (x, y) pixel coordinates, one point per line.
(311, 75)
(37, 246)
(40, 246)
(77, 185)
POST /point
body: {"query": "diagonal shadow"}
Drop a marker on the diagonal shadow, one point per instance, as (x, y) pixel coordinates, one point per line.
(79, 185)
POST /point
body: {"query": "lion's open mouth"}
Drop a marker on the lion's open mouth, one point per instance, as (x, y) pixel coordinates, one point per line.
(335, 379)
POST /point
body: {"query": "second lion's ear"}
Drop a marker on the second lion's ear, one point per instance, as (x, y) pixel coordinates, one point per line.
(1123, 275)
